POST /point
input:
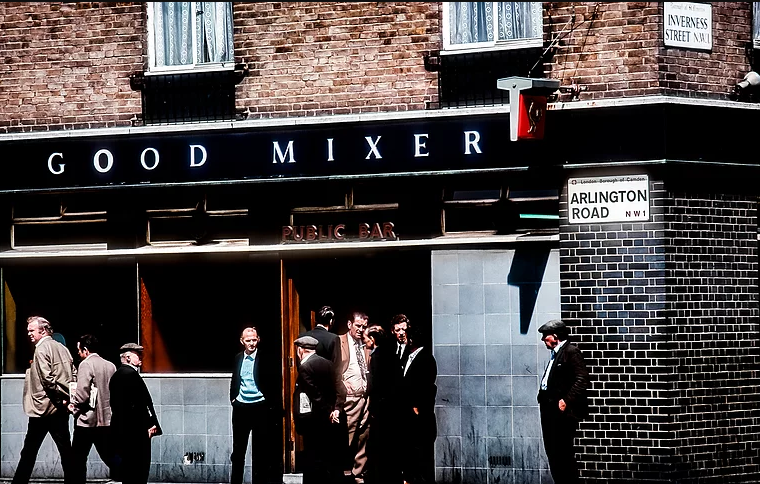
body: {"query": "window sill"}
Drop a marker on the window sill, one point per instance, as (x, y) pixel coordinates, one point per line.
(160, 71)
(514, 45)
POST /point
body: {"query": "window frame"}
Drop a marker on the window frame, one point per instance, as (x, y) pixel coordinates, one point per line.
(449, 48)
(755, 20)
(153, 69)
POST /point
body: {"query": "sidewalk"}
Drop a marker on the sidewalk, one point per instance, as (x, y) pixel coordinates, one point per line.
(286, 479)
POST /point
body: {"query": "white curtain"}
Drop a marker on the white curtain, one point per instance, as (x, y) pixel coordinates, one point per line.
(174, 32)
(472, 22)
(756, 20)
(214, 32)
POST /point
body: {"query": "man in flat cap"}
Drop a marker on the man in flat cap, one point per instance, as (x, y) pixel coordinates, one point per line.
(133, 418)
(314, 406)
(562, 399)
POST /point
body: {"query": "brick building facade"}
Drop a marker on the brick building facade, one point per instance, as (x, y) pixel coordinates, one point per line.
(325, 114)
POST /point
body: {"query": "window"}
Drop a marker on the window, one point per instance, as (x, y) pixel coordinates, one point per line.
(475, 25)
(190, 35)
(756, 24)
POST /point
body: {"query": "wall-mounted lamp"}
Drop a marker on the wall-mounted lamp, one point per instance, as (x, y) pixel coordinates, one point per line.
(745, 90)
(527, 105)
(751, 79)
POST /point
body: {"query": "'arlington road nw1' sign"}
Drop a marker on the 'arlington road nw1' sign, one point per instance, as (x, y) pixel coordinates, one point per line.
(608, 199)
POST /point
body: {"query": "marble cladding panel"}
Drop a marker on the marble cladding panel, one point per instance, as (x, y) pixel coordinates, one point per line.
(194, 413)
(486, 312)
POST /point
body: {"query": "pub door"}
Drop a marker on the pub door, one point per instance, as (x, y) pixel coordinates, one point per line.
(291, 328)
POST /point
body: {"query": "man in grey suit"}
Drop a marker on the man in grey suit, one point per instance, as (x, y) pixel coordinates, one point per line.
(91, 407)
(46, 396)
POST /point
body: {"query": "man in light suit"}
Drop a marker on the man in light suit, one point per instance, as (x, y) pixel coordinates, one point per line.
(562, 400)
(133, 418)
(46, 398)
(354, 370)
(91, 406)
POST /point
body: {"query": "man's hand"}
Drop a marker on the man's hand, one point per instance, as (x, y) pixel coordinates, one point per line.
(349, 388)
(562, 405)
(335, 416)
(71, 407)
(152, 431)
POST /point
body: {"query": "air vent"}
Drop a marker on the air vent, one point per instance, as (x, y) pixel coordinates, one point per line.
(499, 461)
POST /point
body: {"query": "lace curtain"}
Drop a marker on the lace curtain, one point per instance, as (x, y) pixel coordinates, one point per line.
(174, 32)
(756, 21)
(472, 22)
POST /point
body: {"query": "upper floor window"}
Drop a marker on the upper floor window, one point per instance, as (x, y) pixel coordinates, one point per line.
(187, 35)
(477, 25)
(756, 24)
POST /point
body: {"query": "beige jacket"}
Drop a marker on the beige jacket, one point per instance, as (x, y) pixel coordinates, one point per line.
(46, 384)
(94, 372)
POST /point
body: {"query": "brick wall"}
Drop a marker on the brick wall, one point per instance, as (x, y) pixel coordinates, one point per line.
(667, 312)
(621, 52)
(67, 66)
(712, 265)
(335, 58)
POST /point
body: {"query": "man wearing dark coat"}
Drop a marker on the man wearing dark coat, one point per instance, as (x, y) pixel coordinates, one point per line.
(563, 401)
(419, 391)
(329, 343)
(387, 409)
(133, 418)
(314, 406)
(256, 412)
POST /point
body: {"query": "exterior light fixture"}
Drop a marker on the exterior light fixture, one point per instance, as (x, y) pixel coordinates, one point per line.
(527, 105)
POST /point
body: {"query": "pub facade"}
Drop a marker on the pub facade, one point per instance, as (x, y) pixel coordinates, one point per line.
(171, 173)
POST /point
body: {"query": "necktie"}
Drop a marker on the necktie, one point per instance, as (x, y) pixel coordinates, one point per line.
(360, 360)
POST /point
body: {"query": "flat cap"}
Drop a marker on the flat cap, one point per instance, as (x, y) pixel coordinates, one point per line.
(130, 347)
(555, 326)
(308, 342)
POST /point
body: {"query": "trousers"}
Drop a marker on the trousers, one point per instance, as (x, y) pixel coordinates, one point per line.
(559, 435)
(84, 439)
(57, 425)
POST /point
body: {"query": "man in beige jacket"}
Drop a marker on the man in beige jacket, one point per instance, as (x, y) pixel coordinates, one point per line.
(91, 406)
(46, 398)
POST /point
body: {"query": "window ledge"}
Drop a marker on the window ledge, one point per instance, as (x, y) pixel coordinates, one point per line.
(160, 71)
(510, 45)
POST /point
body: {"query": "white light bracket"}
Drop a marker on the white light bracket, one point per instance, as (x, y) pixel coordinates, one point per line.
(523, 85)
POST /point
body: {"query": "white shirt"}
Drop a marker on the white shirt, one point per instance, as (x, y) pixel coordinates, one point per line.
(548, 370)
(411, 358)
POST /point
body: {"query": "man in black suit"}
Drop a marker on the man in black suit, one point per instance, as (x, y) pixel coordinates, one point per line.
(133, 419)
(399, 326)
(329, 343)
(252, 394)
(387, 412)
(329, 349)
(314, 408)
(562, 399)
(419, 393)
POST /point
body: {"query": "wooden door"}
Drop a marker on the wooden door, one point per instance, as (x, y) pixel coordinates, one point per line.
(290, 312)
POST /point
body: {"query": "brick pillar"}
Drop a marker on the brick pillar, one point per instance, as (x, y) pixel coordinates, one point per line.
(666, 312)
